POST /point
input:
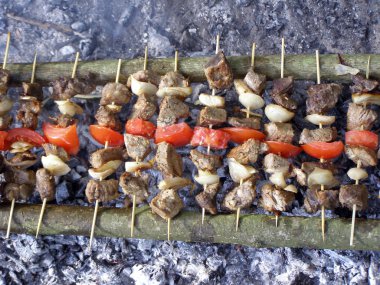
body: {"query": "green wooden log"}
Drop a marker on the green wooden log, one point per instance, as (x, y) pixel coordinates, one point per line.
(302, 67)
(254, 230)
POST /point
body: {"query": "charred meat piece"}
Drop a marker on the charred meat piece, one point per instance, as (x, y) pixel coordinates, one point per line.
(362, 85)
(255, 81)
(241, 196)
(5, 76)
(18, 192)
(20, 157)
(56, 150)
(107, 118)
(45, 184)
(365, 155)
(137, 147)
(115, 93)
(66, 88)
(315, 199)
(283, 85)
(5, 121)
(300, 175)
(205, 162)
(281, 132)
(63, 121)
(20, 176)
(104, 191)
(144, 108)
(147, 76)
(28, 113)
(273, 199)
(360, 117)
(318, 135)
(173, 79)
(274, 163)
(322, 97)
(135, 185)
(104, 155)
(218, 72)
(212, 116)
(32, 90)
(285, 101)
(171, 109)
(251, 122)
(247, 152)
(167, 204)
(350, 195)
(207, 198)
(169, 162)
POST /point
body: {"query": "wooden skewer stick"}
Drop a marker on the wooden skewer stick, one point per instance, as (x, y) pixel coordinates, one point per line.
(238, 213)
(176, 61)
(146, 57)
(34, 68)
(252, 65)
(6, 50)
(133, 208)
(282, 57)
(118, 71)
(169, 221)
(75, 65)
(276, 215)
(41, 216)
(368, 67)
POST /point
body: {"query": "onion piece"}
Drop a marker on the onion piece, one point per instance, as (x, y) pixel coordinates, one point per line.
(20, 146)
(247, 98)
(133, 166)
(114, 108)
(55, 165)
(278, 114)
(206, 178)
(291, 188)
(278, 179)
(22, 164)
(174, 91)
(6, 105)
(139, 87)
(67, 107)
(321, 176)
(174, 183)
(212, 101)
(366, 98)
(105, 170)
(317, 119)
(356, 173)
(239, 171)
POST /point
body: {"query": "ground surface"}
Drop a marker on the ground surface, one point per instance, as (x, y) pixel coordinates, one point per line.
(112, 29)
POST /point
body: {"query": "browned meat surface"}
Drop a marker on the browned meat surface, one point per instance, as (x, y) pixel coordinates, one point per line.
(107, 118)
(22, 157)
(322, 97)
(255, 81)
(365, 155)
(167, 204)
(65, 88)
(354, 194)
(204, 161)
(116, 93)
(251, 122)
(56, 150)
(318, 135)
(147, 76)
(362, 85)
(45, 184)
(33, 90)
(5, 121)
(315, 199)
(63, 121)
(207, 198)
(247, 152)
(18, 192)
(168, 161)
(171, 109)
(104, 155)
(174, 79)
(276, 200)
(20, 176)
(104, 191)
(360, 117)
(212, 116)
(218, 72)
(285, 101)
(274, 163)
(281, 132)
(135, 185)
(300, 176)
(5, 76)
(144, 108)
(137, 147)
(241, 196)
(28, 113)
(283, 85)
(309, 166)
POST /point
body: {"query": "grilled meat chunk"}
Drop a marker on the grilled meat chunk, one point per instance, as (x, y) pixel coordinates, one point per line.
(5, 122)
(135, 185)
(45, 184)
(212, 116)
(205, 162)
(276, 200)
(18, 192)
(247, 152)
(168, 161)
(360, 117)
(218, 72)
(63, 121)
(241, 196)
(281, 132)
(255, 81)
(322, 97)
(56, 150)
(137, 147)
(171, 109)
(283, 85)
(315, 199)
(274, 163)
(23, 157)
(147, 76)
(365, 155)
(318, 135)
(350, 195)
(66, 88)
(285, 101)
(362, 85)
(107, 118)
(167, 204)
(207, 198)
(300, 176)
(20, 176)
(116, 93)
(32, 90)
(144, 108)
(28, 113)
(251, 122)
(173, 79)
(5, 76)
(104, 191)
(104, 155)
